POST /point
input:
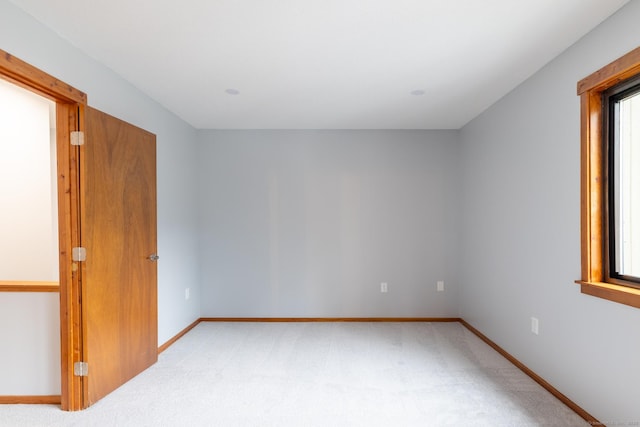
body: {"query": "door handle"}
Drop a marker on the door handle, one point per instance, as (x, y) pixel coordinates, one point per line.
(154, 257)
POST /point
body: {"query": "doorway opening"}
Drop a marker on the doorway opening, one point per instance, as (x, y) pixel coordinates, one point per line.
(28, 184)
(68, 102)
(29, 272)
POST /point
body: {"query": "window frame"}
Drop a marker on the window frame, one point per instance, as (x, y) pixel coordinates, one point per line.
(596, 280)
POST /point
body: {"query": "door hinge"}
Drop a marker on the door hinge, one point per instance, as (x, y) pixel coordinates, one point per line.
(79, 254)
(81, 369)
(77, 138)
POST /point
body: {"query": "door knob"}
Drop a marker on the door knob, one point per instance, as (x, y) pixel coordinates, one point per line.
(154, 257)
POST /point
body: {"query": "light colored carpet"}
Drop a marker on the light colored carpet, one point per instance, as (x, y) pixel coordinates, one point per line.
(320, 374)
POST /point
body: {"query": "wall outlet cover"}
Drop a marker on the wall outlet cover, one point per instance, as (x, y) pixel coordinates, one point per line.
(535, 325)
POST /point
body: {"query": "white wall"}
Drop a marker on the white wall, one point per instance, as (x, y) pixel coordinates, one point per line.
(29, 245)
(309, 223)
(28, 190)
(521, 234)
(30, 347)
(30, 41)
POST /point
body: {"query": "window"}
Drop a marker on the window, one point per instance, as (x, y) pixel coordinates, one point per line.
(610, 181)
(622, 171)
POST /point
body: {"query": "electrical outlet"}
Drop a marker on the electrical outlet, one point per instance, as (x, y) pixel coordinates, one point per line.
(383, 287)
(187, 293)
(440, 286)
(535, 325)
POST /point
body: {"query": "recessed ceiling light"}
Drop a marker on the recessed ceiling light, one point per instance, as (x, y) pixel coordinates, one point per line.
(417, 92)
(232, 92)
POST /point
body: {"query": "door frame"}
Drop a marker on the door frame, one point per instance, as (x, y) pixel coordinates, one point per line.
(70, 103)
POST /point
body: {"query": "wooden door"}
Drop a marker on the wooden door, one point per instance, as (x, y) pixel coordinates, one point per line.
(118, 231)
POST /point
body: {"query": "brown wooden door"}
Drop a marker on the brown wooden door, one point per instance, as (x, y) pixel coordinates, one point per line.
(118, 230)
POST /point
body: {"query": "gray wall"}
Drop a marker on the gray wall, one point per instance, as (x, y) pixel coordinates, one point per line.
(521, 234)
(29, 40)
(309, 223)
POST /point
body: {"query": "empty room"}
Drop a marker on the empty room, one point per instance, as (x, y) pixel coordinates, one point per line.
(352, 213)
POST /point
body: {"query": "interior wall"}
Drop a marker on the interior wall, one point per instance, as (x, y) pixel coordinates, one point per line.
(521, 234)
(28, 217)
(26, 38)
(29, 244)
(30, 356)
(310, 223)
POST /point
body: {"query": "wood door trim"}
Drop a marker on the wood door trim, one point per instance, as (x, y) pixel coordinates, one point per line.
(67, 120)
(30, 400)
(32, 78)
(28, 286)
(68, 104)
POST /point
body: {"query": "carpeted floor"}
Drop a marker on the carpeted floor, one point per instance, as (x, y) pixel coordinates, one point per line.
(320, 374)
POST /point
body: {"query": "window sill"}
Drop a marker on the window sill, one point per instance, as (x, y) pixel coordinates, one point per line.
(611, 292)
(6, 286)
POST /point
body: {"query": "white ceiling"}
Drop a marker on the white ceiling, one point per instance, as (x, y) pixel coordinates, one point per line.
(323, 64)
